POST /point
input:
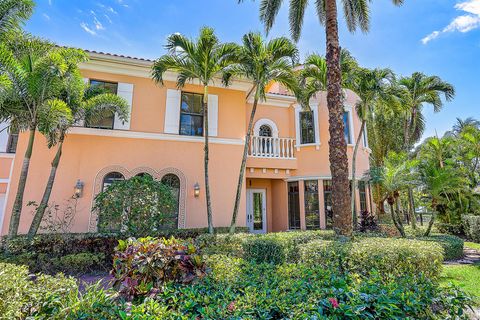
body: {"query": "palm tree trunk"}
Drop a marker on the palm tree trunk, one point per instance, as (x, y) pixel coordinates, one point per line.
(411, 201)
(354, 169)
(18, 204)
(37, 219)
(337, 144)
(242, 166)
(398, 225)
(207, 185)
(430, 224)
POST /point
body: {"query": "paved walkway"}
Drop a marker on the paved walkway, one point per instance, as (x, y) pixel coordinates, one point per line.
(471, 256)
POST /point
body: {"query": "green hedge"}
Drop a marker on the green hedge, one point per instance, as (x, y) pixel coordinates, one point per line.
(238, 289)
(395, 257)
(23, 295)
(471, 227)
(452, 245)
(75, 253)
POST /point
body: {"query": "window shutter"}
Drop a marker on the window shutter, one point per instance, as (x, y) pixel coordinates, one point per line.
(212, 115)
(124, 90)
(3, 136)
(172, 111)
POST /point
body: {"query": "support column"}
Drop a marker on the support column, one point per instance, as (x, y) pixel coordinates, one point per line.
(301, 197)
(321, 205)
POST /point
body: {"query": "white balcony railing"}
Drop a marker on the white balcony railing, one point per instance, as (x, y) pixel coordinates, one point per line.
(269, 147)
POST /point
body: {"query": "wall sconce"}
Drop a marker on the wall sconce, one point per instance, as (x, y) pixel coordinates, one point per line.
(196, 190)
(78, 189)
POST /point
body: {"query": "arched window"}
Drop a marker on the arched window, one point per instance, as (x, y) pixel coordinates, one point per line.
(110, 178)
(171, 180)
(143, 174)
(265, 131)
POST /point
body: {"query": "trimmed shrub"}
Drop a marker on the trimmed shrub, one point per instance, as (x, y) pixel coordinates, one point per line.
(23, 295)
(142, 266)
(456, 229)
(389, 257)
(471, 227)
(452, 245)
(266, 250)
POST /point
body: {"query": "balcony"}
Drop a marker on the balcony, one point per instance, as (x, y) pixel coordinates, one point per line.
(272, 148)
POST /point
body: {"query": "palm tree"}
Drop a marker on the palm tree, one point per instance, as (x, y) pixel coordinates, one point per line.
(416, 91)
(202, 60)
(37, 72)
(460, 125)
(372, 87)
(13, 13)
(262, 63)
(357, 16)
(60, 115)
(394, 176)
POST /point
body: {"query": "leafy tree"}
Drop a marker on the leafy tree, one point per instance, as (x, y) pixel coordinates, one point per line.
(78, 104)
(202, 60)
(356, 16)
(13, 13)
(140, 206)
(262, 63)
(38, 73)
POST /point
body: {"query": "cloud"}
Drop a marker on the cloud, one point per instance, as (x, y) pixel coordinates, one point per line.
(98, 24)
(46, 16)
(87, 29)
(466, 22)
(122, 3)
(49, 2)
(108, 18)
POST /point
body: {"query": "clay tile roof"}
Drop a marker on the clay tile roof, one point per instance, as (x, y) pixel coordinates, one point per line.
(117, 55)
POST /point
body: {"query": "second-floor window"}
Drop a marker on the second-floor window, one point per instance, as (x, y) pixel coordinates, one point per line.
(191, 114)
(307, 127)
(346, 123)
(105, 120)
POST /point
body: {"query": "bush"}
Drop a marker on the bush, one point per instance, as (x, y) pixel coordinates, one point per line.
(389, 257)
(287, 244)
(142, 266)
(452, 245)
(471, 227)
(455, 229)
(23, 295)
(261, 250)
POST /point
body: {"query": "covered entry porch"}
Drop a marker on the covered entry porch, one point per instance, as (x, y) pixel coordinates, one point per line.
(282, 204)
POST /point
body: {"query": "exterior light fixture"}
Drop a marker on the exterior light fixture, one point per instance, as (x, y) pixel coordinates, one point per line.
(78, 189)
(196, 190)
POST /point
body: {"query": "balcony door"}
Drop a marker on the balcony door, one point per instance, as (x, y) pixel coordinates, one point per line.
(257, 210)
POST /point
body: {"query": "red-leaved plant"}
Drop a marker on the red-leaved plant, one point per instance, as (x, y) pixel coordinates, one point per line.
(142, 266)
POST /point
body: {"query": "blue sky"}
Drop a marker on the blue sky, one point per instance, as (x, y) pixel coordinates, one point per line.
(440, 37)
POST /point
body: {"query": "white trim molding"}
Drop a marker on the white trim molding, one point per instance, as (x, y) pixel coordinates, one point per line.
(268, 122)
(7, 155)
(349, 109)
(275, 100)
(302, 178)
(298, 108)
(108, 63)
(151, 136)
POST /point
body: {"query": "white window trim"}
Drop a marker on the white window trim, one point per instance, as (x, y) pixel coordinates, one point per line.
(349, 109)
(268, 122)
(298, 137)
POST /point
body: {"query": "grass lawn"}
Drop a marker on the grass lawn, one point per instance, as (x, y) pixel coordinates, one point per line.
(466, 277)
(472, 245)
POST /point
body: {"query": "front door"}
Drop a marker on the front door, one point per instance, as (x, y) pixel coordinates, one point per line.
(257, 210)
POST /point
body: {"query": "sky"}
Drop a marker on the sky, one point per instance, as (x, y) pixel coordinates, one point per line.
(436, 37)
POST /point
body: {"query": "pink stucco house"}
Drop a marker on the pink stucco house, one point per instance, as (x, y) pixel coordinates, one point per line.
(287, 183)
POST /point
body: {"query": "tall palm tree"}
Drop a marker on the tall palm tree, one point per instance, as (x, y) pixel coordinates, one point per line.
(356, 16)
(38, 72)
(78, 103)
(262, 63)
(202, 60)
(373, 88)
(415, 92)
(461, 124)
(13, 13)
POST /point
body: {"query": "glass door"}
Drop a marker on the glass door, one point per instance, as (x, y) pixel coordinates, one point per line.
(257, 210)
